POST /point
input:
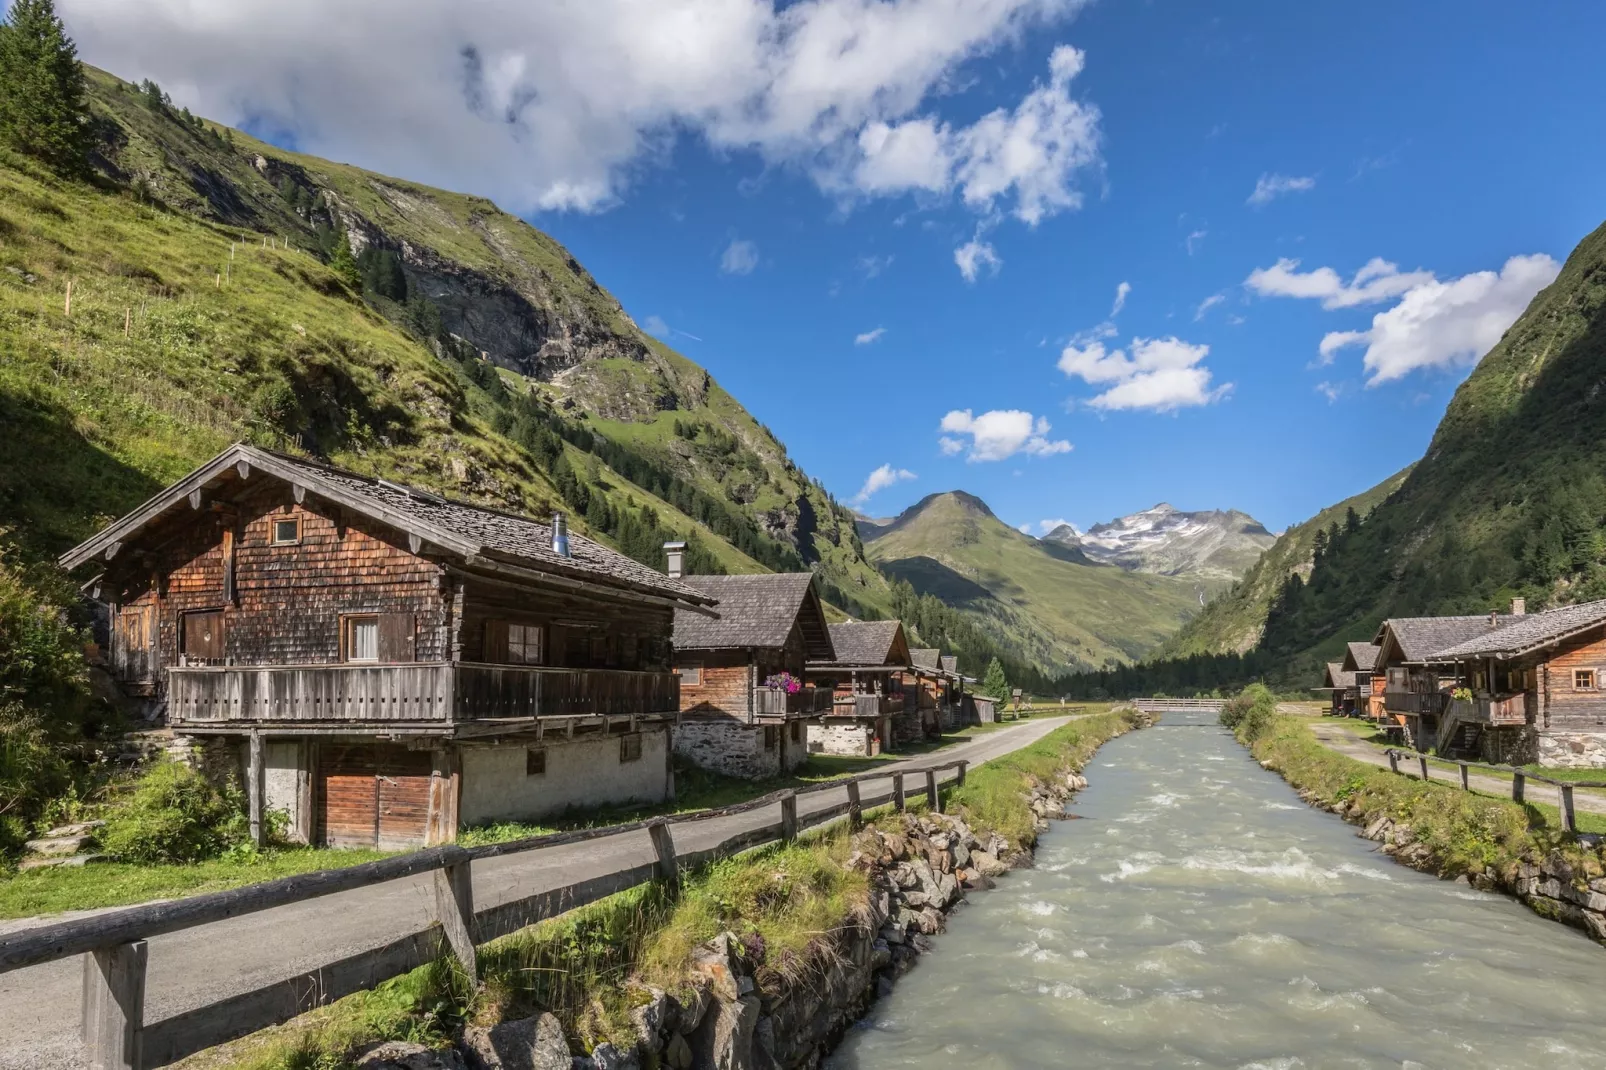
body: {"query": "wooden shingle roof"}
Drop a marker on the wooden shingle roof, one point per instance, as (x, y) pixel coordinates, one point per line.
(1520, 635)
(869, 643)
(1360, 657)
(477, 534)
(1420, 639)
(1339, 677)
(756, 611)
(926, 657)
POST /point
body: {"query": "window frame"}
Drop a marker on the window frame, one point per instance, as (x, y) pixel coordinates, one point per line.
(772, 737)
(273, 531)
(630, 748)
(535, 761)
(348, 635)
(1590, 675)
(695, 669)
(524, 642)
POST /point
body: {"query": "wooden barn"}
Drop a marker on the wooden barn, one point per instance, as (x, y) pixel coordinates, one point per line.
(1360, 659)
(1538, 687)
(866, 676)
(386, 665)
(1339, 686)
(1414, 682)
(928, 698)
(744, 698)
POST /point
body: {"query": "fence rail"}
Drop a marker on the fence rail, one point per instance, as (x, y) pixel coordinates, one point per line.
(1519, 781)
(115, 949)
(1178, 705)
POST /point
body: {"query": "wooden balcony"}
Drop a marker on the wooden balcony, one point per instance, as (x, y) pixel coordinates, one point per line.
(809, 702)
(866, 705)
(1414, 703)
(1497, 710)
(419, 694)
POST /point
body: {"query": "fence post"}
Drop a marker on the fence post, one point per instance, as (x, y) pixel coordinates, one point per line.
(1464, 785)
(789, 816)
(114, 1006)
(897, 790)
(855, 811)
(1518, 782)
(1569, 820)
(1394, 762)
(253, 789)
(1422, 760)
(933, 798)
(959, 781)
(663, 844)
(454, 909)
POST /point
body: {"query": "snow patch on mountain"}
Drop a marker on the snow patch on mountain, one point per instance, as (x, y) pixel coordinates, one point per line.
(1215, 544)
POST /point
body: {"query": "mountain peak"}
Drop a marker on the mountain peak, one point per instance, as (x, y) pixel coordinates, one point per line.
(1216, 544)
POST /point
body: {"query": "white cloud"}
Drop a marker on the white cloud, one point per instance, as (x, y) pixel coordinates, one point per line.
(1271, 186)
(740, 258)
(556, 105)
(869, 337)
(998, 435)
(655, 326)
(1330, 391)
(975, 255)
(879, 480)
(1443, 324)
(1206, 305)
(1046, 526)
(871, 266)
(1377, 281)
(1122, 292)
(1160, 374)
(1195, 239)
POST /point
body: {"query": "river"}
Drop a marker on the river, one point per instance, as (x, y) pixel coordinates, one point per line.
(1199, 915)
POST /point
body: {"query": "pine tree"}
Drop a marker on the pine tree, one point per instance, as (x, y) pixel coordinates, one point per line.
(43, 110)
(994, 683)
(342, 263)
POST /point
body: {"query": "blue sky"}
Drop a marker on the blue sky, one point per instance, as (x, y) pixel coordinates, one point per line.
(792, 217)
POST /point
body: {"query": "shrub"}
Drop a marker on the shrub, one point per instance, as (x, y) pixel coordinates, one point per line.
(175, 815)
(1249, 713)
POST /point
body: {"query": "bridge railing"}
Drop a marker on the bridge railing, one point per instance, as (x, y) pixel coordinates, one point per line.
(1179, 705)
(115, 949)
(1519, 780)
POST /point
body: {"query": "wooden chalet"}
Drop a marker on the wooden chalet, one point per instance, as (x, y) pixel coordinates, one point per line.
(926, 694)
(386, 665)
(1360, 659)
(1538, 690)
(866, 676)
(738, 715)
(1339, 686)
(1415, 682)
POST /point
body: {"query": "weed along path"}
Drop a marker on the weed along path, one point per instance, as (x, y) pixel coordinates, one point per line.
(39, 1005)
(1200, 915)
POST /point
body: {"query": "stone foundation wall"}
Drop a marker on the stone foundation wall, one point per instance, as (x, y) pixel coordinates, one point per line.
(836, 737)
(731, 748)
(1509, 746)
(1572, 749)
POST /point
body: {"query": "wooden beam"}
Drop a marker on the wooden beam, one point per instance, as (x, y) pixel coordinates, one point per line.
(253, 786)
(243, 468)
(195, 499)
(415, 543)
(959, 781)
(298, 492)
(855, 811)
(789, 816)
(933, 798)
(111, 551)
(897, 791)
(1518, 784)
(114, 1006)
(454, 909)
(663, 845)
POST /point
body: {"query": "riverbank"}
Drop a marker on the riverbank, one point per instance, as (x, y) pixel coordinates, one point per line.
(1489, 843)
(762, 959)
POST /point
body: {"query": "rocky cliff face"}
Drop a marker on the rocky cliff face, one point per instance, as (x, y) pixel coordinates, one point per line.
(1215, 545)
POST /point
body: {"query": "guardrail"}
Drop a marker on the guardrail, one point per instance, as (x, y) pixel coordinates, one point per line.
(115, 949)
(1178, 705)
(1519, 781)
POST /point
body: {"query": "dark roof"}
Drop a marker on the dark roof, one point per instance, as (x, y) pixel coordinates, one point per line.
(755, 611)
(867, 643)
(950, 663)
(1519, 635)
(925, 657)
(1361, 655)
(1420, 639)
(462, 528)
(1338, 676)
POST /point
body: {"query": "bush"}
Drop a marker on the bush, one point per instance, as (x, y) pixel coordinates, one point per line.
(1249, 713)
(175, 815)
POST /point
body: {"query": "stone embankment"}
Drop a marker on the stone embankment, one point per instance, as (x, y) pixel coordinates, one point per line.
(1571, 891)
(738, 1011)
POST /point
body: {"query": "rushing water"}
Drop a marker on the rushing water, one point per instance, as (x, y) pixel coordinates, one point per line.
(1201, 916)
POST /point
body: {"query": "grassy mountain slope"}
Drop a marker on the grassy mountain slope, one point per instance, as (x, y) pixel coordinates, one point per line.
(1043, 603)
(1232, 622)
(1510, 498)
(476, 357)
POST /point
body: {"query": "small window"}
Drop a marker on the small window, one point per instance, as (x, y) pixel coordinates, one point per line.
(1583, 679)
(691, 674)
(630, 747)
(524, 644)
(772, 737)
(361, 640)
(797, 731)
(535, 761)
(286, 532)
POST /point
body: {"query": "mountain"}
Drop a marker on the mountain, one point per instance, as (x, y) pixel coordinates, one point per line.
(1509, 500)
(225, 289)
(1232, 622)
(1215, 546)
(1047, 604)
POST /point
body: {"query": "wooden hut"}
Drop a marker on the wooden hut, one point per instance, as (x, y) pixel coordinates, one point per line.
(866, 675)
(1414, 681)
(383, 664)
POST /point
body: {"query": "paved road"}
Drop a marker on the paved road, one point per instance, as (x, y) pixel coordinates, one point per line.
(1343, 741)
(39, 1006)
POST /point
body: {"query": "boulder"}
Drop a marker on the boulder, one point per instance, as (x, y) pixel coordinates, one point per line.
(727, 1035)
(987, 864)
(607, 1057)
(534, 1043)
(677, 1053)
(652, 1019)
(720, 964)
(405, 1055)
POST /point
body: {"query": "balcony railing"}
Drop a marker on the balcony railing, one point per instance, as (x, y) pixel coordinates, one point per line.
(1512, 709)
(773, 702)
(1414, 703)
(867, 705)
(435, 692)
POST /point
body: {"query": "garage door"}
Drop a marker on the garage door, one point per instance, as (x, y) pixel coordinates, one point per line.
(373, 795)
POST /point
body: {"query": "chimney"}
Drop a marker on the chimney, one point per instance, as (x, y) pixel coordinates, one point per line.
(560, 534)
(1494, 617)
(677, 559)
(1519, 607)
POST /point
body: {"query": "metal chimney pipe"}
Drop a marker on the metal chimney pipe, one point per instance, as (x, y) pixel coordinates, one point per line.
(560, 534)
(677, 559)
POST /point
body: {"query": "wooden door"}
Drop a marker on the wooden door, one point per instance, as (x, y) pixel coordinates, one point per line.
(373, 795)
(202, 639)
(134, 644)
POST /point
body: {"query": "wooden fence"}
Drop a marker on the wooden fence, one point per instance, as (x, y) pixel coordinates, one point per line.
(1519, 781)
(115, 950)
(1179, 705)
